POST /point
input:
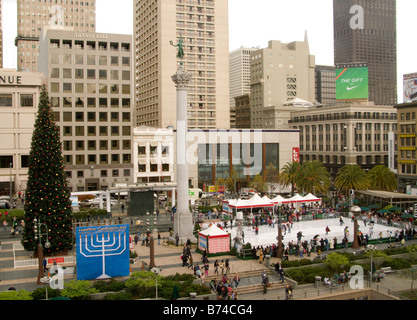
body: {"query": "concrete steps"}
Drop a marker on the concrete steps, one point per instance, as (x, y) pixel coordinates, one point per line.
(259, 288)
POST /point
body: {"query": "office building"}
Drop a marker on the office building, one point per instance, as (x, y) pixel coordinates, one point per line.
(243, 111)
(33, 15)
(203, 26)
(365, 31)
(407, 151)
(89, 81)
(239, 71)
(346, 134)
(280, 73)
(19, 99)
(325, 84)
(211, 154)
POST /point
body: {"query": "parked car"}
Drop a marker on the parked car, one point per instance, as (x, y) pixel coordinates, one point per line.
(4, 204)
(96, 202)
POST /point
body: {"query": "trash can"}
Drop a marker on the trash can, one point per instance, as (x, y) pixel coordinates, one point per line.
(267, 260)
(317, 282)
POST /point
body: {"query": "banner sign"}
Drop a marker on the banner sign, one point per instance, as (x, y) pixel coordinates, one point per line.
(296, 154)
(410, 87)
(102, 252)
(352, 82)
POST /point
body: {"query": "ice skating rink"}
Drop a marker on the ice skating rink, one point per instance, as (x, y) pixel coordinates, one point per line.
(268, 235)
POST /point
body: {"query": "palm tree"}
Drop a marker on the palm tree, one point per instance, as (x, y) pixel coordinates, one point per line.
(382, 178)
(313, 178)
(289, 174)
(351, 176)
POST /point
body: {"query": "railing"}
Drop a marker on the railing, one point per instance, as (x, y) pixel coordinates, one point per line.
(32, 262)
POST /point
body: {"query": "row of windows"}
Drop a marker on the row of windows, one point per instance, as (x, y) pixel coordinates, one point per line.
(90, 102)
(80, 145)
(93, 131)
(103, 173)
(78, 59)
(68, 87)
(6, 100)
(90, 159)
(93, 116)
(91, 74)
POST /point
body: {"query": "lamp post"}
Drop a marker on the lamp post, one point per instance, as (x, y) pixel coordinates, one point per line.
(156, 270)
(355, 211)
(279, 248)
(11, 188)
(38, 235)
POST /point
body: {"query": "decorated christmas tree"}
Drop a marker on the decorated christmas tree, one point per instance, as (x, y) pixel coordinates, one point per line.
(47, 197)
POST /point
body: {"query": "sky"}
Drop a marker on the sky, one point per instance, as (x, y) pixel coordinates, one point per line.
(252, 24)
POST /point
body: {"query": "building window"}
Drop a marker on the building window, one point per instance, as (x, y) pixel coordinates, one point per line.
(6, 100)
(26, 100)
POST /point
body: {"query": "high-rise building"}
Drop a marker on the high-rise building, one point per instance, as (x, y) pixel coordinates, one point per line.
(280, 73)
(33, 15)
(239, 70)
(89, 82)
(325, 84)
(203, 25)
(365, 31)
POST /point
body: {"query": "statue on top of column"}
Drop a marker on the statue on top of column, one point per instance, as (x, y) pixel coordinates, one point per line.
(180, 53)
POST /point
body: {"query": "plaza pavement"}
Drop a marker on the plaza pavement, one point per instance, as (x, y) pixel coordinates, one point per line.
(167, 257)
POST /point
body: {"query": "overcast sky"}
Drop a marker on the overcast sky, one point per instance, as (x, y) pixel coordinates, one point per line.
(252, 23)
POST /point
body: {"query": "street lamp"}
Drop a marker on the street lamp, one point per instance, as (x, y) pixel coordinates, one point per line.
(37, 228)
(279, 248)
(355, 211)
(156, 270)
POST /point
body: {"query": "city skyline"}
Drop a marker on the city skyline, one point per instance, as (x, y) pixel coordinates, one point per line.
(251, 26)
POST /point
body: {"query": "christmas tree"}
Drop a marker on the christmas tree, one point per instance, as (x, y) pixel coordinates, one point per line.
(47, 197)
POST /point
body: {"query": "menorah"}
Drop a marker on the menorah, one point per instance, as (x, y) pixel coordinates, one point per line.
(93, 243)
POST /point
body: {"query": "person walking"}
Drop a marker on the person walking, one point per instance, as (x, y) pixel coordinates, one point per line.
(206, 269)
(265, 282)
(289, 292)
(216, 267)
(221, 266)
(227, 265)
(177, 239)
(281, 274)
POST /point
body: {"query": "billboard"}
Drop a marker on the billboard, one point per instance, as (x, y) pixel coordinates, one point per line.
(410, 87)
(352, 82)
(102, 252)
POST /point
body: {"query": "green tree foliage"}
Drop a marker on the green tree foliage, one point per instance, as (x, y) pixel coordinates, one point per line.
(143, 282)
(78, 289)
(313, 178)
(382, 178)
(335, 261)
(289, 174)
(258, 183)
(351, 176)
(16, 295)
(47, 197)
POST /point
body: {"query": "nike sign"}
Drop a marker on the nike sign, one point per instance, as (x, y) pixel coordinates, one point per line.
(351, 88)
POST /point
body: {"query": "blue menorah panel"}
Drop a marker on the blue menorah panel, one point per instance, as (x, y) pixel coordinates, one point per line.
(102, 252)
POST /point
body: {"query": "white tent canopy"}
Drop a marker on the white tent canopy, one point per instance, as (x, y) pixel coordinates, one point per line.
(295, 199)
(311, 197)
(213, 230)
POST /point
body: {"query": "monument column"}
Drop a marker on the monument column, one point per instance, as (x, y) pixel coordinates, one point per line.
(183, 221)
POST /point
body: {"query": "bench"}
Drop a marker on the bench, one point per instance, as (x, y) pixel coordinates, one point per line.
(387, 270)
